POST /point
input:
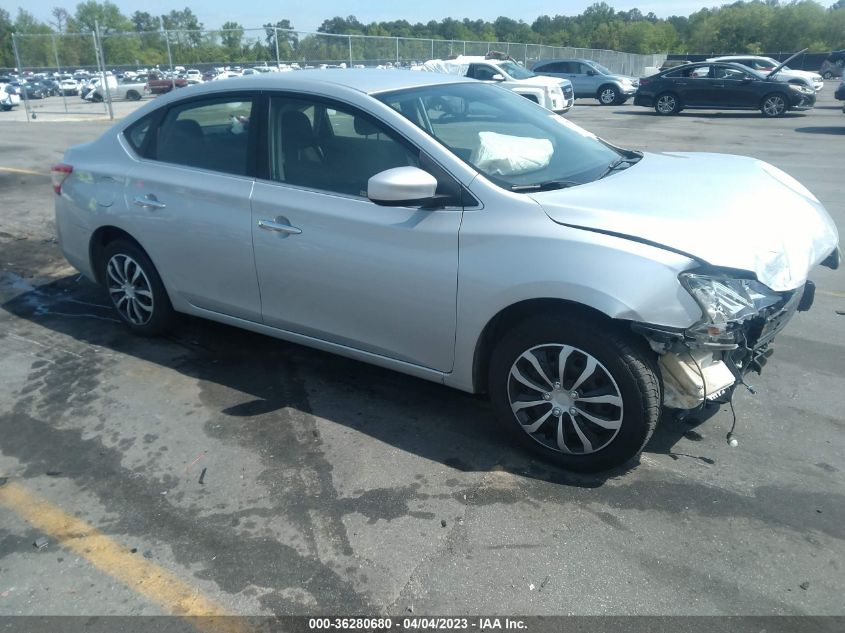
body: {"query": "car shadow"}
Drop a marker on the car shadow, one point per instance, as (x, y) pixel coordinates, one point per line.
(700, 114)
(263, 375)
(827, 129)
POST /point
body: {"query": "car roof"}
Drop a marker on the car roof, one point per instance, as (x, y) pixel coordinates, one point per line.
(726, 58)
(564, 59)
(366, 80)
(710, 62)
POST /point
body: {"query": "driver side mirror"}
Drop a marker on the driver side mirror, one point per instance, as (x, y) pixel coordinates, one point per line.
(747, 79)
(591, 73)
(498, 77)
(402, 187)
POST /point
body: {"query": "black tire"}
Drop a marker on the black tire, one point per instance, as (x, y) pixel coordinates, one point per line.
(97, 98)
(608, 95)
(774, 104)
(152, 321)
(625, 367)
(827, 74)
(667, 104)
(133, 95)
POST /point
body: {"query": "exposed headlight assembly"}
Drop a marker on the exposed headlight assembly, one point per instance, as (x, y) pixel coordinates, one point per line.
(726, 301)
(802, 89)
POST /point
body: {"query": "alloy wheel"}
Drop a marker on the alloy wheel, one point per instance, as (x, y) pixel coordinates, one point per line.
(666, 104)
(608, 96)
(774, 105)
(130, 289)
(565, 399)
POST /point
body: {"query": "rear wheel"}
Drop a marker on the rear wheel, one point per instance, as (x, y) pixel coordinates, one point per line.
(827, 74)
(578, 394)
(773, 105)
(135, 288)
(133, 95)
(667, 104)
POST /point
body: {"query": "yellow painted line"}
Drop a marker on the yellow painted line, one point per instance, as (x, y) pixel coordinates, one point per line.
(18, 170)
(831, 293)
(139, 574)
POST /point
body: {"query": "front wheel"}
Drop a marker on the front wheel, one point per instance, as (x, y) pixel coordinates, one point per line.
(583, 396)
(827, 74)
(135, 288)
(608, 95)
(773, 105)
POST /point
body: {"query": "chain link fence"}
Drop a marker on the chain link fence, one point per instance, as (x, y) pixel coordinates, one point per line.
(97, 53)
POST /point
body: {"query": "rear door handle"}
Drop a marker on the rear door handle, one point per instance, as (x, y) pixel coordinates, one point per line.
(148, 202)
(278, 227)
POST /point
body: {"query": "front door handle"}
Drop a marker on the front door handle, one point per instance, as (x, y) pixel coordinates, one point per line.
(270, 225)
(148, 202)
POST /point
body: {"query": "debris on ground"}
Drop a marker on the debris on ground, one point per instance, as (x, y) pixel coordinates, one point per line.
(134, 550)
(805, 585)
(531, 587)
(40, 543)
(545, 582)
(53, 473)
(202, 475)
(148, 553)
(442, 522)
(410, 608)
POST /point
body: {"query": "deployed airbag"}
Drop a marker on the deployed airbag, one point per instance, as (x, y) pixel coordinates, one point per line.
(504, 155)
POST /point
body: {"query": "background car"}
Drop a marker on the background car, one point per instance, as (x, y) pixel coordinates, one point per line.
(554, 94)
(840, 92)
(69, 87)
(590, 79)
(721, 86)
(9, 96)
(766, 65)
(832, 66)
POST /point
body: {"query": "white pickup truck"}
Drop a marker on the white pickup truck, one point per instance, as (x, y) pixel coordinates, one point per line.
(131, 90)
(554, 94)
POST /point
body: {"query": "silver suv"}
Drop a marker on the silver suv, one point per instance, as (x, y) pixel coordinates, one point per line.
(590, 79)
(455, 231)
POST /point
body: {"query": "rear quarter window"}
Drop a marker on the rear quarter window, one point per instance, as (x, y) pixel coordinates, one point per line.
(137, 134)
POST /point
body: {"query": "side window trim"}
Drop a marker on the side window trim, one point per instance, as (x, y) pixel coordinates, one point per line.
(263, 149)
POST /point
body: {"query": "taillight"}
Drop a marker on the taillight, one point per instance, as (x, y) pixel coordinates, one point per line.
(58, 173)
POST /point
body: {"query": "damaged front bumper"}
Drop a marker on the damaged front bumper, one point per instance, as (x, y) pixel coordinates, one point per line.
(697, 368)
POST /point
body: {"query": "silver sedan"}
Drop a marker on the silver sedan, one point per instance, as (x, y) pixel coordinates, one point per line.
(454, 231)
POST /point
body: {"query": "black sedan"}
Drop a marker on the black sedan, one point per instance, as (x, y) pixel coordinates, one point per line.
(721, 86)
(33, 90)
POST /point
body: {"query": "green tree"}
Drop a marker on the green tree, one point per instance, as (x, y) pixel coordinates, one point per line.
(7, 56)
(231, 36)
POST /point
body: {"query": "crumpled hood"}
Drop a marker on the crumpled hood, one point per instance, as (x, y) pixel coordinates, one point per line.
(728, 211)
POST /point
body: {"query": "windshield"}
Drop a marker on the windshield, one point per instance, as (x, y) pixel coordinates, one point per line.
(509, 139)
(600, 68)
(516, 71)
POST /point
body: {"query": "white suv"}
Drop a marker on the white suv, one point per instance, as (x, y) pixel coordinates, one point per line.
(767, 64)
(9, 96)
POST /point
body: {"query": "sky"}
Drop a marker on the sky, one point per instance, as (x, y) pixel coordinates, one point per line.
(307, 16)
